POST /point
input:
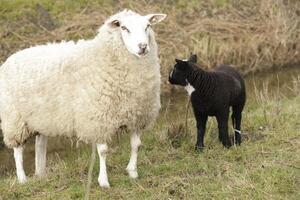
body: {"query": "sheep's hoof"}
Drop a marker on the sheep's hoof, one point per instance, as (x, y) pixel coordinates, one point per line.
(40, 174)
(22, 180)
(104, 184)
(132, 174)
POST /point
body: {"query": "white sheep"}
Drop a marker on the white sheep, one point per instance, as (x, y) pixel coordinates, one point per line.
(87, 89)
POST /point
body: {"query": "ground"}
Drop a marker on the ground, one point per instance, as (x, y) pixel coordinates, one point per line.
(265, 166)
(254, 35)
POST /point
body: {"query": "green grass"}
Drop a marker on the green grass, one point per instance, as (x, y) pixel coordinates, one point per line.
(265, 166)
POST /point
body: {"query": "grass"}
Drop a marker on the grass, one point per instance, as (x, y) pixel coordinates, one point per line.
(265, 166)
(253, 35)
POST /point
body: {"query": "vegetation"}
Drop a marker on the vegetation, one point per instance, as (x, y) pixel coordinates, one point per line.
(254, 35)
(265, 166)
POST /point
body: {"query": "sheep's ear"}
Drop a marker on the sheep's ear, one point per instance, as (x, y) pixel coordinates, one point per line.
(155, 18)
(115, 23)
(193, 58)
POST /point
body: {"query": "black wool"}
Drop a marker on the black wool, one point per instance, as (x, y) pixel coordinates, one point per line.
(214, 93)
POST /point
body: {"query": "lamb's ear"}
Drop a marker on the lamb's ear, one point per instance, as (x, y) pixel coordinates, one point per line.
(193, 58)
(181, 64)
(155, 18)
(114, 23)
(177, 60)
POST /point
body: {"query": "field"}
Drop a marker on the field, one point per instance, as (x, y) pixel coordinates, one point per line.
(265, 166)
(253, 35)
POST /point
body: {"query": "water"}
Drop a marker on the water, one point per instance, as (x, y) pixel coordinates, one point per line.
(279, 81)
(174, 106)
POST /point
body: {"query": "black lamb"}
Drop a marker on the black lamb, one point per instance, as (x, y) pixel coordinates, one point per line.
(213, 93)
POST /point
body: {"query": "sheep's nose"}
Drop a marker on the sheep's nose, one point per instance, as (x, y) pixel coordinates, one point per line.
(143, 47)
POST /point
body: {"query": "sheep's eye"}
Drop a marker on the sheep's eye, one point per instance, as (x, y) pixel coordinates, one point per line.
(125, 29)
(148, 26)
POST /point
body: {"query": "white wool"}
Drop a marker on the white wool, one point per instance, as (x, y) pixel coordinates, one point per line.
(86, 89)
(189, 88)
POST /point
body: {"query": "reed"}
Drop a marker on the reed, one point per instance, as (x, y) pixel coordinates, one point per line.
(253, 35)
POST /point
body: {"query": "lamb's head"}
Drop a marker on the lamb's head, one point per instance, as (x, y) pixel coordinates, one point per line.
(181, 70)
(135, 30)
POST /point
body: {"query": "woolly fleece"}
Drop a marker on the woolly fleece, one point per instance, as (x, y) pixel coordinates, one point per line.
(87, 89)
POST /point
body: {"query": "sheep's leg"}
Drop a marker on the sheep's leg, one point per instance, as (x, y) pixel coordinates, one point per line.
(135, 142)
(201, 125)
(18, 154)
(223, 128)
(40, 155)
(102, 179)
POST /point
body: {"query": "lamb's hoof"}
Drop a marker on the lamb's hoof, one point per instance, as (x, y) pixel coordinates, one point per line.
(238, 142)
(227, 144)
(133, 174)
(199, 148)
(238, 139)
(104, 184)
(220, 138)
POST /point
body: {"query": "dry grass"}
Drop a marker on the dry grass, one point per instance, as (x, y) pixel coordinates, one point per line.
(251, 34)
(254, 35)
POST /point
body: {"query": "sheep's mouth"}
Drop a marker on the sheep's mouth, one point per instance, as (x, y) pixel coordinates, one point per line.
(143, 52)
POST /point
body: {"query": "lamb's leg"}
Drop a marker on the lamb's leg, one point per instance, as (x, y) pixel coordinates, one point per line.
(135, 142)
(18, 154)
(201, 125)
(102, 179)
(40, 155)
(237, 127)
(222, 119)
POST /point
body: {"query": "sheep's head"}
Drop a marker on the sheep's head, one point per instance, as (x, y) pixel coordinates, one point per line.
(181, 70)
(135, 30)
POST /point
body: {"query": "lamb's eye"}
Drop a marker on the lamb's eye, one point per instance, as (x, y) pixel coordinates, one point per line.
(125, 29)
